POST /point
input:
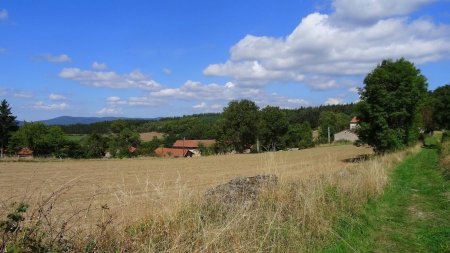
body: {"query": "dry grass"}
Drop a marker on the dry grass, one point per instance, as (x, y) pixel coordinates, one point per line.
(150, 135)
(316, 186)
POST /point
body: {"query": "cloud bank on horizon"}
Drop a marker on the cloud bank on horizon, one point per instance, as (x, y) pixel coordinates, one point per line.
(324, 52)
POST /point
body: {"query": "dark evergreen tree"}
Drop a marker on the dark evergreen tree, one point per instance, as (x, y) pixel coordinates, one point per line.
(441, 114)
(8, 125)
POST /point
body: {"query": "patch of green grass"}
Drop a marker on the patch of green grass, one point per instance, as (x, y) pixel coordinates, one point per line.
(75, 137)
(413, 214)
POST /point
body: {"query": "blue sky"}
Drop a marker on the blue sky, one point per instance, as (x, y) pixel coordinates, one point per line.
(173, 57)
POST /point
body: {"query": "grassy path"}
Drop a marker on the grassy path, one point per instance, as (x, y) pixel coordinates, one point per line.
(413, 215)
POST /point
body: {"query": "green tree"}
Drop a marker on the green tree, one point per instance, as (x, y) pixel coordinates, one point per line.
(95, 146)
(43, 140)
(299, 136)
(238, 126)
(274, 125)
(120, 142)
(7, 125)
(390, 102)
(441, 114)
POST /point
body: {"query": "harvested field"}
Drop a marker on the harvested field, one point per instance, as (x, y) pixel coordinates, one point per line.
(136, 188)
(149, 136)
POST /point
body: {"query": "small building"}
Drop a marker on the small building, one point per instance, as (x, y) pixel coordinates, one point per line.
(175, 152)
(132, 149)
(354, 123)
(345, 135)
(25, 153)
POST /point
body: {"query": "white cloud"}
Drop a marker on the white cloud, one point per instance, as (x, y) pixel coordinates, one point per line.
(4, 14)
(372, 10)
(50, 107)
(200, 106)
(109, 111)
(55, 96)
(115, 101)
(167, 71)
(353, 90)
(334, 101)
(54, 58)
(23, 94)
(99, 66)
(110, 79)
(206, 108)
(322, 50)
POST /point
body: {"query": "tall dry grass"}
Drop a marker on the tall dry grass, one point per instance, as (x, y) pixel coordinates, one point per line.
(295, 215)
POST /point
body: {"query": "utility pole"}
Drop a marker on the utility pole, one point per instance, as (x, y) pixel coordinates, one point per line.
(329, 137)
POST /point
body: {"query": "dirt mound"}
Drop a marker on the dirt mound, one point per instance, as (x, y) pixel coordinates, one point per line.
(241, 191)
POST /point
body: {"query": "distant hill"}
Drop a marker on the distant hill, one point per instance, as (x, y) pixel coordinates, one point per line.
(68, 120)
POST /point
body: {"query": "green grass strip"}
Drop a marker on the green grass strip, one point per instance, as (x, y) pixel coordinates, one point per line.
(413, 214)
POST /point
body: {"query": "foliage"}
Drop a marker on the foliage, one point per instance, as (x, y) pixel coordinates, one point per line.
(442, 106)
(122, 141)
(299, 136)
(7, 125)
(43, 140)
(238, 127)
(148, 147)
(274, 125)
(95, 146)
(335, 121)
(390, 102)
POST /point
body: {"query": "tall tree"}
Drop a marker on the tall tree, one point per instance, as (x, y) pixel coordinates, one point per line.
(390, 102)
(274, 125)
(238, 126)
(8, 125)
(442, 106)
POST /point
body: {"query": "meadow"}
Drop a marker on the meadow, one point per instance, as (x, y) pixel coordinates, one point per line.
(157, 204)
(136, 188)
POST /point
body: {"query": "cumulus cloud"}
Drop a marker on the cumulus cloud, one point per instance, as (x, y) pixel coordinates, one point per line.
(334, 101)
(23, 94)
(167, 71)
(55, 96)
(3, 14)
(50, 107)
(322, 50)
(110, 79)
(99, 66)
(54, 58)
(109, 111)
(372, 10)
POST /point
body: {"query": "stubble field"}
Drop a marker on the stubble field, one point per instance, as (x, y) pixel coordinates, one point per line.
(132, 189)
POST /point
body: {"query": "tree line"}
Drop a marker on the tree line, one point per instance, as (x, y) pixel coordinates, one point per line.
(395, 108)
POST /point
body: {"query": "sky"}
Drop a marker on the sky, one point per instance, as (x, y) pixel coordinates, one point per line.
(146, 59)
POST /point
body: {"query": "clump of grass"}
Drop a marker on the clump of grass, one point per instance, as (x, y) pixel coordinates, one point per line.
(292, 216)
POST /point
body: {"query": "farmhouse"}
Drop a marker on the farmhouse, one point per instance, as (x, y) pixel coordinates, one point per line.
(354, 123)
(185, 148)
(349, 134)
(346, 135)
(175, 152)
(25, 153)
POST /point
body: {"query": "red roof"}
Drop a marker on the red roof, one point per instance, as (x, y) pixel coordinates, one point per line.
(175, 152)
(131, 149)
(25, 152)
(354, 120)
(192, 143)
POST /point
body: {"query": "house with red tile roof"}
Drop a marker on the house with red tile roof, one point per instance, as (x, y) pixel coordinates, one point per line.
(174, 152)
(354, 123)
